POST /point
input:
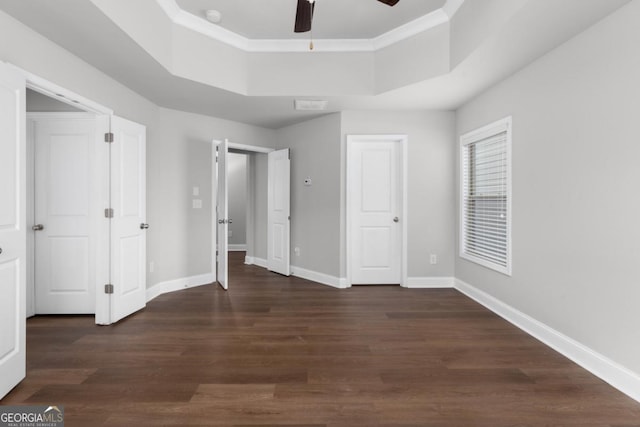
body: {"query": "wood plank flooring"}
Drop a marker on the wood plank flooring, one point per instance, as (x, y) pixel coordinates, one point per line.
(277, 351)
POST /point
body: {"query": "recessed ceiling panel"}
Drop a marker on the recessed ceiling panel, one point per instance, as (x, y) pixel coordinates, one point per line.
(334, 19)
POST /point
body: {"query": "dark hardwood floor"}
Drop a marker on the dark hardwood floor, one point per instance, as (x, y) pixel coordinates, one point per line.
(277, 351)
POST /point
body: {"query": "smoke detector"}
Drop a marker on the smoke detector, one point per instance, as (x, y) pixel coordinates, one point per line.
(213, 16)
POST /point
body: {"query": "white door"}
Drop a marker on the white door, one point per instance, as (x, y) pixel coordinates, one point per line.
(375, 211)
(66, 215)
(278, 206)
(12, 230)
(222, 210)
(128, 225)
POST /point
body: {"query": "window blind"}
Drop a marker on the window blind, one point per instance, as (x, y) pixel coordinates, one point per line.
(485, 199)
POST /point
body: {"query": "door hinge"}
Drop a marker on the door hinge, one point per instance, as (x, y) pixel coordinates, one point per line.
(108, 137)
(108, 288)
(108, 213)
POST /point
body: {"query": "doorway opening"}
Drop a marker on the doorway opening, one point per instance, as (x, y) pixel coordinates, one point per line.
(265, 210)
(248, 188)
(99, 249)
(63, 205)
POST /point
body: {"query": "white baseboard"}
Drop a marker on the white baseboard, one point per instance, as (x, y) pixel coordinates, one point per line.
(430, 282)
(238, 248)
(303, 273)
(250, 260)
(606, 369)
(324, 279)
(178, 284)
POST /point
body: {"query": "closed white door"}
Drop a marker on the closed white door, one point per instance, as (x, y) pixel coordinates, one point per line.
(66, 215)
(12, 230)
(375, 210)
(278, 201)
(128, 225)
(222, 210)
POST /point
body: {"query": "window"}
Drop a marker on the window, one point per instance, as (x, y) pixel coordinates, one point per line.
(485, 217)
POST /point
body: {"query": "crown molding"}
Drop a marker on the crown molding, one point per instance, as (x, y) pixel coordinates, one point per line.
(187, 20)
(410, 29)
(302, 45)
(202, 26)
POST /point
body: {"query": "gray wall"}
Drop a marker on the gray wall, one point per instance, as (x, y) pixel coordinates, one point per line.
(238, 198)
(315, 210)
(257, 201)
(575, 174)
(318, 150)
(431, 207)
(176, 162)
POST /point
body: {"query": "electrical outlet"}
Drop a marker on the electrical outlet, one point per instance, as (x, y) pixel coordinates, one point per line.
(152, 266)
(230, 233)
(296, 251)
(433, 259)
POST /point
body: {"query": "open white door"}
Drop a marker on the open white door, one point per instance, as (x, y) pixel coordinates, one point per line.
(279, 210)
(222, 215)
(128, 227)
(222, 211)
(12, 229)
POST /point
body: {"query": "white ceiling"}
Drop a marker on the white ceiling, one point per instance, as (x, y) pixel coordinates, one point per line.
(333, 19)
(84, 30)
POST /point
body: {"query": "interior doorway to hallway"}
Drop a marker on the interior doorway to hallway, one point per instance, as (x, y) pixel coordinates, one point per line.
(247, 209)
(263, 204)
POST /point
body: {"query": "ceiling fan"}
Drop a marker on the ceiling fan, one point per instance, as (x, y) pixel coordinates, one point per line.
(304, 14)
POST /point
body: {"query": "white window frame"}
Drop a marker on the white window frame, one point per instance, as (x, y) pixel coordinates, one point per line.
(495, 128)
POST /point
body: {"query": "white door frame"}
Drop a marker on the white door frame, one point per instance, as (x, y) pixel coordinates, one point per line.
(103, 115)
(214, 193)
(402, 140)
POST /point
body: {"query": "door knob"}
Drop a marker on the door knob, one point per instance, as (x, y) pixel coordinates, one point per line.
(396, 219)
(37, 227)
(144, 226)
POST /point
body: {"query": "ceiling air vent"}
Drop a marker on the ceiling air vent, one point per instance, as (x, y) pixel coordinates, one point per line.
(310, 104)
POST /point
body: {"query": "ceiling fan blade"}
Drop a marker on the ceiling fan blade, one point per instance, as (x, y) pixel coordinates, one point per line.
(389, 2)
(304, 16)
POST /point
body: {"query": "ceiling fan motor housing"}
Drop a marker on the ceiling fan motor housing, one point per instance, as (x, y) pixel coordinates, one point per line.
(304, 14)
